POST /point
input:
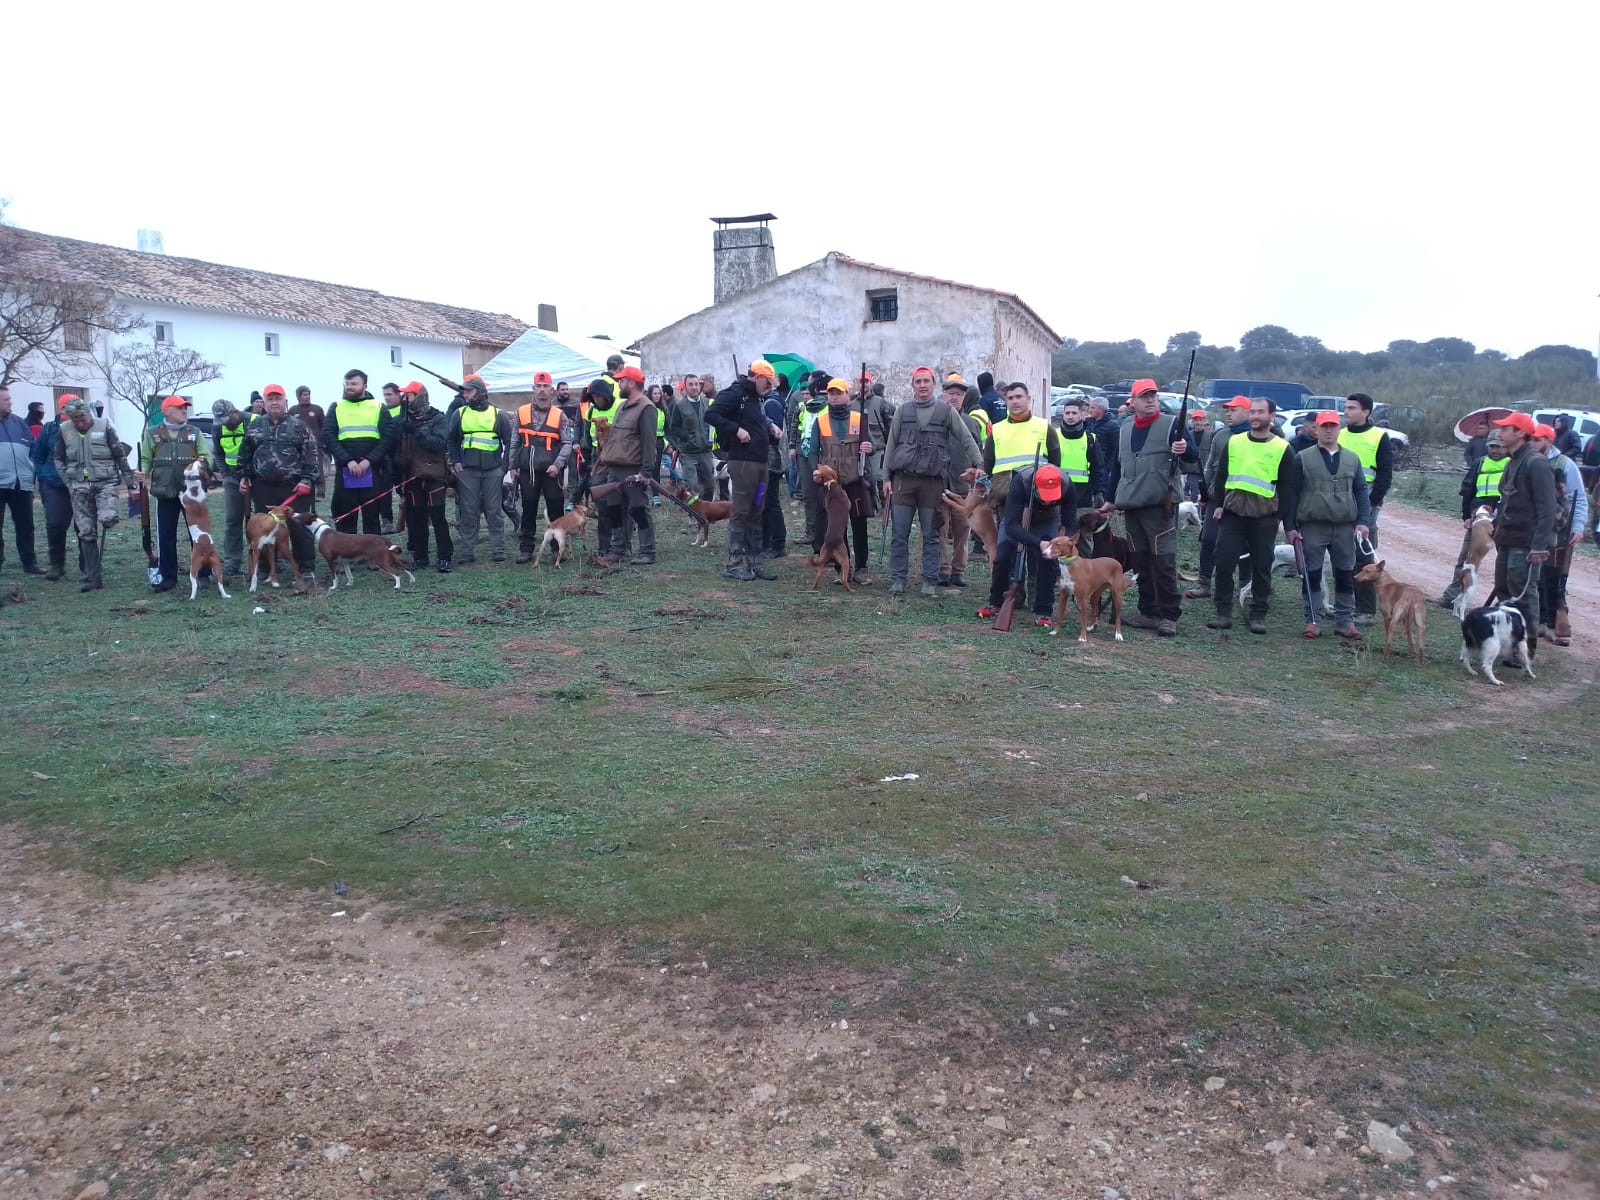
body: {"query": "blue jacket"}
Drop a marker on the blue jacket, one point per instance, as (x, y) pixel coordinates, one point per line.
(16, 454)
(44, 456)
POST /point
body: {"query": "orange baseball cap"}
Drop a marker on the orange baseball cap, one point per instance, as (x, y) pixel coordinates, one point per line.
(632, 373)
(65, 400)
(1520, 421)
(273, 389)
(1047, 482)
(1544, 431)
(541, 377)
(413, 388)
(174, 403)
(928, 371)
(1328, 418)
(760, 367)
(1141, 386)
(1238, 402)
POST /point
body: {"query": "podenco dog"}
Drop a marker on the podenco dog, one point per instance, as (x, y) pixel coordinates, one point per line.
(198, 515)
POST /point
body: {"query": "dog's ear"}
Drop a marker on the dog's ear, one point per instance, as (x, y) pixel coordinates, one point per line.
(1379, 564)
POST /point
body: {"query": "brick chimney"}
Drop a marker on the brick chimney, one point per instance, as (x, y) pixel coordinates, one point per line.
(742, 254)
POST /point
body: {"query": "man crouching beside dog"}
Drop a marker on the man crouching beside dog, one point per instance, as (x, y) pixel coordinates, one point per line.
(278, 464)
(1053, 503)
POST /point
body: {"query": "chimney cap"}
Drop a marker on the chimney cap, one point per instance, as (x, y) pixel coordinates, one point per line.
(763, 218)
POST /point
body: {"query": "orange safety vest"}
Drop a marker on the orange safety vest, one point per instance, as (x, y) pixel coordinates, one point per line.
(826, 426)
(551, 433)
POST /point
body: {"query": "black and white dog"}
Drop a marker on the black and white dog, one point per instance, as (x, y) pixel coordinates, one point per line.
(1489, 633)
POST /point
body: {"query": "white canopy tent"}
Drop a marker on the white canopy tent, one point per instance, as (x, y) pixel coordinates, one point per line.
(570, 360)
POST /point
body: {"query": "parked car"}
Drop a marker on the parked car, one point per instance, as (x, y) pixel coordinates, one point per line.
(1586, 423)
(1284, 395)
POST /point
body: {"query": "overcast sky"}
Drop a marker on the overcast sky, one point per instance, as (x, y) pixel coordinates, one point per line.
(1357, 171)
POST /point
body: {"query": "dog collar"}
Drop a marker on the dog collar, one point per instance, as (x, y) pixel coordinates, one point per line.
(1074, 558)
(276, 519)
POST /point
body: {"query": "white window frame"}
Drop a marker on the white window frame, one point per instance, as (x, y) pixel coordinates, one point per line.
(396, 358)
(163, 333)
(273, 343)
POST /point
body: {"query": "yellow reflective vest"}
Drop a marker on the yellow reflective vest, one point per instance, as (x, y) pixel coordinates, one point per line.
(1364, 445)
(1253, 466)
(1018, 443)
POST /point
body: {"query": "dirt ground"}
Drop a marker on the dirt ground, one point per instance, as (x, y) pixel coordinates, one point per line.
(195, 1036)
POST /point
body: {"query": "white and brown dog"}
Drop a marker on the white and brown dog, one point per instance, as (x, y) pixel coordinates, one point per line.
(1491, 633)
(1479, 542)
(567, 525)
(341, 549)
(267, 536)
(204, 554)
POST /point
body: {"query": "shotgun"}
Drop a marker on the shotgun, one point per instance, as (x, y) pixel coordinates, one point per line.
(449, 383)
(154, 570)
(1008, 606)
(1179, 432)
(1305, 585)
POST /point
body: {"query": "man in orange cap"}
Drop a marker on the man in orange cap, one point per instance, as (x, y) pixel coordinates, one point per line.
(168, 449)
(631, 448)
(539, 456)
(928, 442)
(746, 436)
(1144, 486)
(1329, 513)
(1236, 417)
(1054, 510)
(1524, 524)
(1572, 516)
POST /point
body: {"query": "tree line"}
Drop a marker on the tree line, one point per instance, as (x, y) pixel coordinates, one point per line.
(1441, 369)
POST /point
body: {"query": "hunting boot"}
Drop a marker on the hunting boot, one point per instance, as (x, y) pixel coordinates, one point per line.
(91, 567)
(58, 561)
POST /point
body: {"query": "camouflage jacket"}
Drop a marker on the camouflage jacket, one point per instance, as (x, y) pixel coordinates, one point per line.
(280, 452)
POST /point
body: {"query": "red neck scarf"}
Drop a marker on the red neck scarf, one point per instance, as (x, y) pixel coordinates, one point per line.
(1146, 422)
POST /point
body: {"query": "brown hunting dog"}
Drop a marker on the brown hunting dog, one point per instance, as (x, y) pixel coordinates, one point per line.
(712, 510)
(836, 504)
(1401, 605)
(341, 549)
(976, 509)
(1085, 579)
(268, 535)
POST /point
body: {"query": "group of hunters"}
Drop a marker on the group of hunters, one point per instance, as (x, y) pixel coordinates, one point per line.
(764, 436)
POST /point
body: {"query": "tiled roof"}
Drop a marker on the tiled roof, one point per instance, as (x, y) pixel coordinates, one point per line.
(163, 279)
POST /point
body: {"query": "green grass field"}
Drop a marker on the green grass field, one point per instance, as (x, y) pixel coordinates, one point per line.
(1343, 858)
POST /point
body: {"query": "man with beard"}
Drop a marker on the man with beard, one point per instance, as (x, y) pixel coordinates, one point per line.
(479, 435)
(424, 463)
(359, 436)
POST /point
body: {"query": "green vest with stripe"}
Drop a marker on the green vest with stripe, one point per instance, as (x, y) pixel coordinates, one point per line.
(1253, 466)
(358, 419)
(478, 429)
(1018, 444)
(1489, 472)
(1364, 445)
(229, 441)
(1074, 459)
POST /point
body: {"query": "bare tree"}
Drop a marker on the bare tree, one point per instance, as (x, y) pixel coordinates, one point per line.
(138, 373)
(48, 327)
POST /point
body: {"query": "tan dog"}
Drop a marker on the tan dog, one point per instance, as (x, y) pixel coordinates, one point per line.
(268, 535)
(1482, 541)
(341, 549)
(836, 506)
(1398, 603)
(204, 554)
(975, 507)
(1085, 579)
(563, 527)
(712, 510)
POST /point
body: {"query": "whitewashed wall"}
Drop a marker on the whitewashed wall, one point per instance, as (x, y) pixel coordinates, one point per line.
(314, 355)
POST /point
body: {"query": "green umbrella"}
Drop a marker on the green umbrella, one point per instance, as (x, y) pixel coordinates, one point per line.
(791, 366)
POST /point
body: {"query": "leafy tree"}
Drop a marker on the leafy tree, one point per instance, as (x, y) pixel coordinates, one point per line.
(1182, 343)
(1449, 350)
(1268, 337)
(1580, 362)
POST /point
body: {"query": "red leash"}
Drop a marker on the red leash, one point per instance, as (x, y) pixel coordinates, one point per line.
(379, 496)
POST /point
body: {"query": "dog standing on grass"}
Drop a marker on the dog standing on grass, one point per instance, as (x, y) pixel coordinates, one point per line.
(198, 515)
(567, 525)
(1491, 632)
(341, 549)
(836, 506)
(1086, 580)
(1402, 606)
(268, 535)
(712, 510)
(976, 510)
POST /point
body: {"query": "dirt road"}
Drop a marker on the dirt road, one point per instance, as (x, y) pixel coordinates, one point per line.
(1421, 548)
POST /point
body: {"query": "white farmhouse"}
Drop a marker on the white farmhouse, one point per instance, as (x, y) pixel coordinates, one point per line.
(839, 312)
(262, 328)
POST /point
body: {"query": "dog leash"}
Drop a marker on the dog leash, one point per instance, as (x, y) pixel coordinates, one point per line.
(379, 496)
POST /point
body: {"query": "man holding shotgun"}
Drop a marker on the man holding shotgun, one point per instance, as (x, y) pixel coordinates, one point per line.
(743, 432)
(1145, 488)
(1040, 503)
